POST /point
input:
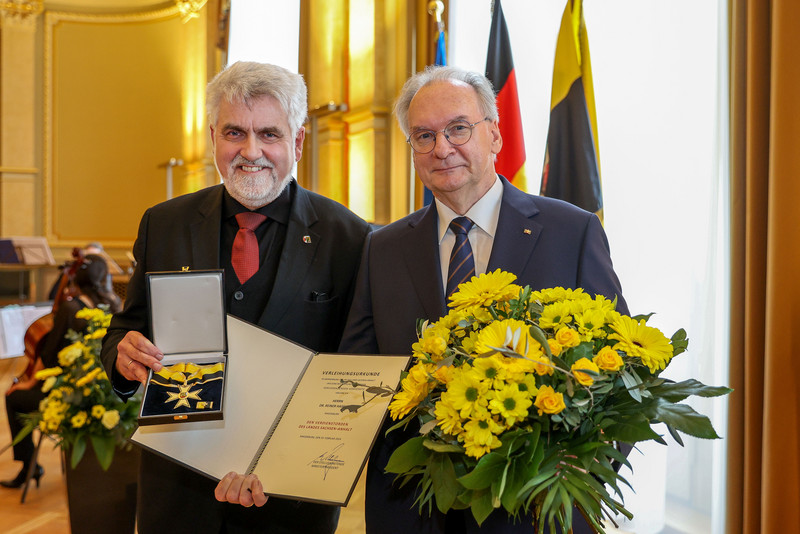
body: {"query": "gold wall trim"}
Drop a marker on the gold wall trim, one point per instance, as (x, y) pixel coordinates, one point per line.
(20, 10)
(19, 170)
(51, 20)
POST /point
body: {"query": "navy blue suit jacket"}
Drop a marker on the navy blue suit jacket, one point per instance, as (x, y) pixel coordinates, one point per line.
(545, 242)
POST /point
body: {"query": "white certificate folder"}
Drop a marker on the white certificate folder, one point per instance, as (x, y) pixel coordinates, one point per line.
(304, 422)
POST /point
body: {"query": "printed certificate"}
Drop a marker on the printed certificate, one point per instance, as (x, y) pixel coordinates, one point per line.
(304, 422)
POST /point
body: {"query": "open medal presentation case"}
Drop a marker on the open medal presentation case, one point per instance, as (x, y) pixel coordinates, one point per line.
(187, 323)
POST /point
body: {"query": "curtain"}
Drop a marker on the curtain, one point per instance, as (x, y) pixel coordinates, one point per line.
(764, 419)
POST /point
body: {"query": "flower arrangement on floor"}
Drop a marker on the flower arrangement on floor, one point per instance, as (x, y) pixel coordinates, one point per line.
(521, 395)
(81, 406)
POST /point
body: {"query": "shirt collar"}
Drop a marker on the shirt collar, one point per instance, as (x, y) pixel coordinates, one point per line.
(484, 213)
(277, 210)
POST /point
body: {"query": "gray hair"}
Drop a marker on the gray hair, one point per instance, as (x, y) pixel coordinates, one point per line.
(431, 74)
(245, 81)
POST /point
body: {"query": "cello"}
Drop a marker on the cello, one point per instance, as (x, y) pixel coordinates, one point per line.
(37, 332)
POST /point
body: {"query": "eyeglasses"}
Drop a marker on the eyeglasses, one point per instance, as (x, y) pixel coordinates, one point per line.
(457, 133)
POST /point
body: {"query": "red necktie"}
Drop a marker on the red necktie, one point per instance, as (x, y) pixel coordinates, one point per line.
(244, 255)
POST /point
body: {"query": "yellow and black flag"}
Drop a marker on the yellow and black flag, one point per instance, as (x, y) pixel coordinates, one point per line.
(571, 165)
(500, 70)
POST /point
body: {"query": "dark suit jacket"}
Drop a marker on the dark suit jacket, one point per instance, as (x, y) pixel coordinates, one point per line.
(545, 242)
(185, 231)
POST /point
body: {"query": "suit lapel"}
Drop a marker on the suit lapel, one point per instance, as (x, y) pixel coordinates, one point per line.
(517, 232)
(205, 231)
(297, 256)
(421, 254)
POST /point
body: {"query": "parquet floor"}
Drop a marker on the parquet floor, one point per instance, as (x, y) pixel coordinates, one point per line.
(45, 509)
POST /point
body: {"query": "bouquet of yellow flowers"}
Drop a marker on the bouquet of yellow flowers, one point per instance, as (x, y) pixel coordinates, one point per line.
(81, 406)
(521, 396)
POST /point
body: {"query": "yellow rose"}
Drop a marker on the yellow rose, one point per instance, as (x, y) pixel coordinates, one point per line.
(555, 347)
(608, 359)
(567, 337)
(584, 379)
(110, 419)
(548, 401)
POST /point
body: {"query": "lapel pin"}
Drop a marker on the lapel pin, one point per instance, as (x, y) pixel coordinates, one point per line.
(306, 239)
(526, 231)
(185, 268)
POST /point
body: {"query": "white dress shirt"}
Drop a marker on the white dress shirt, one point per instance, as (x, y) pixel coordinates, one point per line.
(485, 214)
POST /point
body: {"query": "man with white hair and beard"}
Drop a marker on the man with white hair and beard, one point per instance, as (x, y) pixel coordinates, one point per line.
(309, 249)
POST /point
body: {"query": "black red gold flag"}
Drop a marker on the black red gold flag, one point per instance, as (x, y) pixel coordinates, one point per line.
(500, 70)
(571, 166)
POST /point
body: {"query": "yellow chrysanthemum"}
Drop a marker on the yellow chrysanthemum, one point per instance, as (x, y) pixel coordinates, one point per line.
(48, 384)
(88, 377)
(638, 340)
(546, 296)
(484, 289)
(590, 324)
(528, 386)
(490, 369)
(78, 420)
(549, 401)
(70, 353)
(466, 392)
(480, 435)
(47, 372)
(608, 359)
(584, 379)
(110, 419)
(556, 315)
(414, 388)
(511, 404)
(97, 334)
(98, 410)
(449, 419)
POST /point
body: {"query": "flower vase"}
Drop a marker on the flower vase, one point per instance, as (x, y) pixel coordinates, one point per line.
(103, 501)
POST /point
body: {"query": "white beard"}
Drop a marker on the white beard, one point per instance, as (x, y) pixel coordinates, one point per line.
(253, 191)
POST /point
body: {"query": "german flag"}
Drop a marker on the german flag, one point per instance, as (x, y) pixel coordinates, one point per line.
(500, 70)
(571, 166)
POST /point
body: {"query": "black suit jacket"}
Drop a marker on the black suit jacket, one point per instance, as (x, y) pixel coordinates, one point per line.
(545, 242)
(185, 232)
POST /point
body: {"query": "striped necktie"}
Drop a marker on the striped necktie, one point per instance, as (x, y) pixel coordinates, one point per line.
(244, 255)
(462, 264)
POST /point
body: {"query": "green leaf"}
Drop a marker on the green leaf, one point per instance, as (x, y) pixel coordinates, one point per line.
(684, 418)
(631, 431)
(679, 342)
(632, 383)
(674, 433)
(676, 392)
(410, 454)
(481, 505)
(438, 446)
(445, 485)
(78, 448)
(490, 467)
(538, 334)
(104, 449)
